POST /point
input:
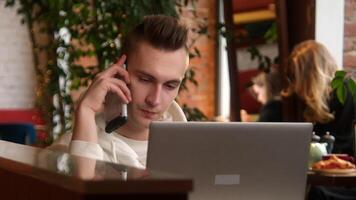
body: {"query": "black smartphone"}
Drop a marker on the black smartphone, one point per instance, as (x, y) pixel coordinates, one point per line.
(120, 120)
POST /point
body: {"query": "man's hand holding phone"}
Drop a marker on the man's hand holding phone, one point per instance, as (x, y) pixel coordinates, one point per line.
(93, 100)
(105, 82)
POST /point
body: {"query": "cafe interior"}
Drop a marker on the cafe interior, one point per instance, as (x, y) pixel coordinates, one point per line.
(266, 108)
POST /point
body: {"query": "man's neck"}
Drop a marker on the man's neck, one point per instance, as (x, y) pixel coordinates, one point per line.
(132, 132)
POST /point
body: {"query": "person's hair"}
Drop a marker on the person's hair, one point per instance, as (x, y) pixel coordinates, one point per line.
(309, 73)
(271, 81)
(161, 32)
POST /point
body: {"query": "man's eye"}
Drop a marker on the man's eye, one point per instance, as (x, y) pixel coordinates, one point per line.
(144, 79)
(171, 86)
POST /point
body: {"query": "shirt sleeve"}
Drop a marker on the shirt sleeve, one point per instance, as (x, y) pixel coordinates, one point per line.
(86, 149)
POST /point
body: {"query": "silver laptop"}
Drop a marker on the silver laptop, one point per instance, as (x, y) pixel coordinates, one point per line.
(244, 161)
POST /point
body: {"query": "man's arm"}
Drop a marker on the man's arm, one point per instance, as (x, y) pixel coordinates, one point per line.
(93, 100)
(84, 125)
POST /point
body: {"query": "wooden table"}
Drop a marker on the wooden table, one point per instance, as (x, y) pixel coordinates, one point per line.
(32, 173)
(339, 180)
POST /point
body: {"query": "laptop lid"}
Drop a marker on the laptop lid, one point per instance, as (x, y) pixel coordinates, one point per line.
(234, 160)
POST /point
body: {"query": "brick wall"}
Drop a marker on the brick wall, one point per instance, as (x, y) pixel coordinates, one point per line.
(350, 35)
(203, 96)
(17, 75)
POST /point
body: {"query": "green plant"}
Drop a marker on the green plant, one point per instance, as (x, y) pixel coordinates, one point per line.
(193, 114)
(246, 36)
(92, 29)
(342, 83)
(264, 62)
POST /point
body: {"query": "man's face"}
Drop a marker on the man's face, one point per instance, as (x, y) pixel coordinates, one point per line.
(155, 77)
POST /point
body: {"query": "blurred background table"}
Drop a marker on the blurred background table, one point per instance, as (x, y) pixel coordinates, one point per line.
(337, 180)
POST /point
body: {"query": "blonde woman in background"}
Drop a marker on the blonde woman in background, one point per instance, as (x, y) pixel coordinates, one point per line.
(310, 71)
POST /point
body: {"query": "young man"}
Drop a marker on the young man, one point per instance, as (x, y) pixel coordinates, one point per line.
(157, 59)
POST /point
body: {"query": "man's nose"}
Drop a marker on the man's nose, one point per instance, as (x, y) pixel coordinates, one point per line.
(154, 96)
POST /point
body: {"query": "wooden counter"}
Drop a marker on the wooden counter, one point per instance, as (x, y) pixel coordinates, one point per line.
(32, 173)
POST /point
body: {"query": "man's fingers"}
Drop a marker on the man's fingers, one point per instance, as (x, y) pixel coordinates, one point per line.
(123, 87)
(117, 90)
(121, 60)
(116, 70)
(120, 65)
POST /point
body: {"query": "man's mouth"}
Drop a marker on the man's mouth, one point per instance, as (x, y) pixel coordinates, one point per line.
(148, 114)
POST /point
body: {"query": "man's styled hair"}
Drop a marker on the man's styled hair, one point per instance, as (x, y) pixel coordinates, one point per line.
(159, 31)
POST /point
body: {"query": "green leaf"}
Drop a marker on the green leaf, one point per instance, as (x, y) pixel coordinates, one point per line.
(341, 94)
(271, 34)
(337, 82)
(197, 52)
(77, 5)
(68, 99)
(340, 74)
(9, 3)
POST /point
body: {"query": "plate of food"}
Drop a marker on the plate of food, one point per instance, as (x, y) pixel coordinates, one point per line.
(335, 171)
(334, 165)
(341, 156)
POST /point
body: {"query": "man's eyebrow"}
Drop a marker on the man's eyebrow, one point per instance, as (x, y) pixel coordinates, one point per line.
(174, 81)
(145, 74)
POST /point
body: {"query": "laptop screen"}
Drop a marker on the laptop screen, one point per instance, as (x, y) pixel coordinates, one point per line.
(234, 160)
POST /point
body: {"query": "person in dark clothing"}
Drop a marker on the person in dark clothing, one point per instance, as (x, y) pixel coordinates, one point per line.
(341, 126)
(310, 71)
(271, 111)
(267, 88)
